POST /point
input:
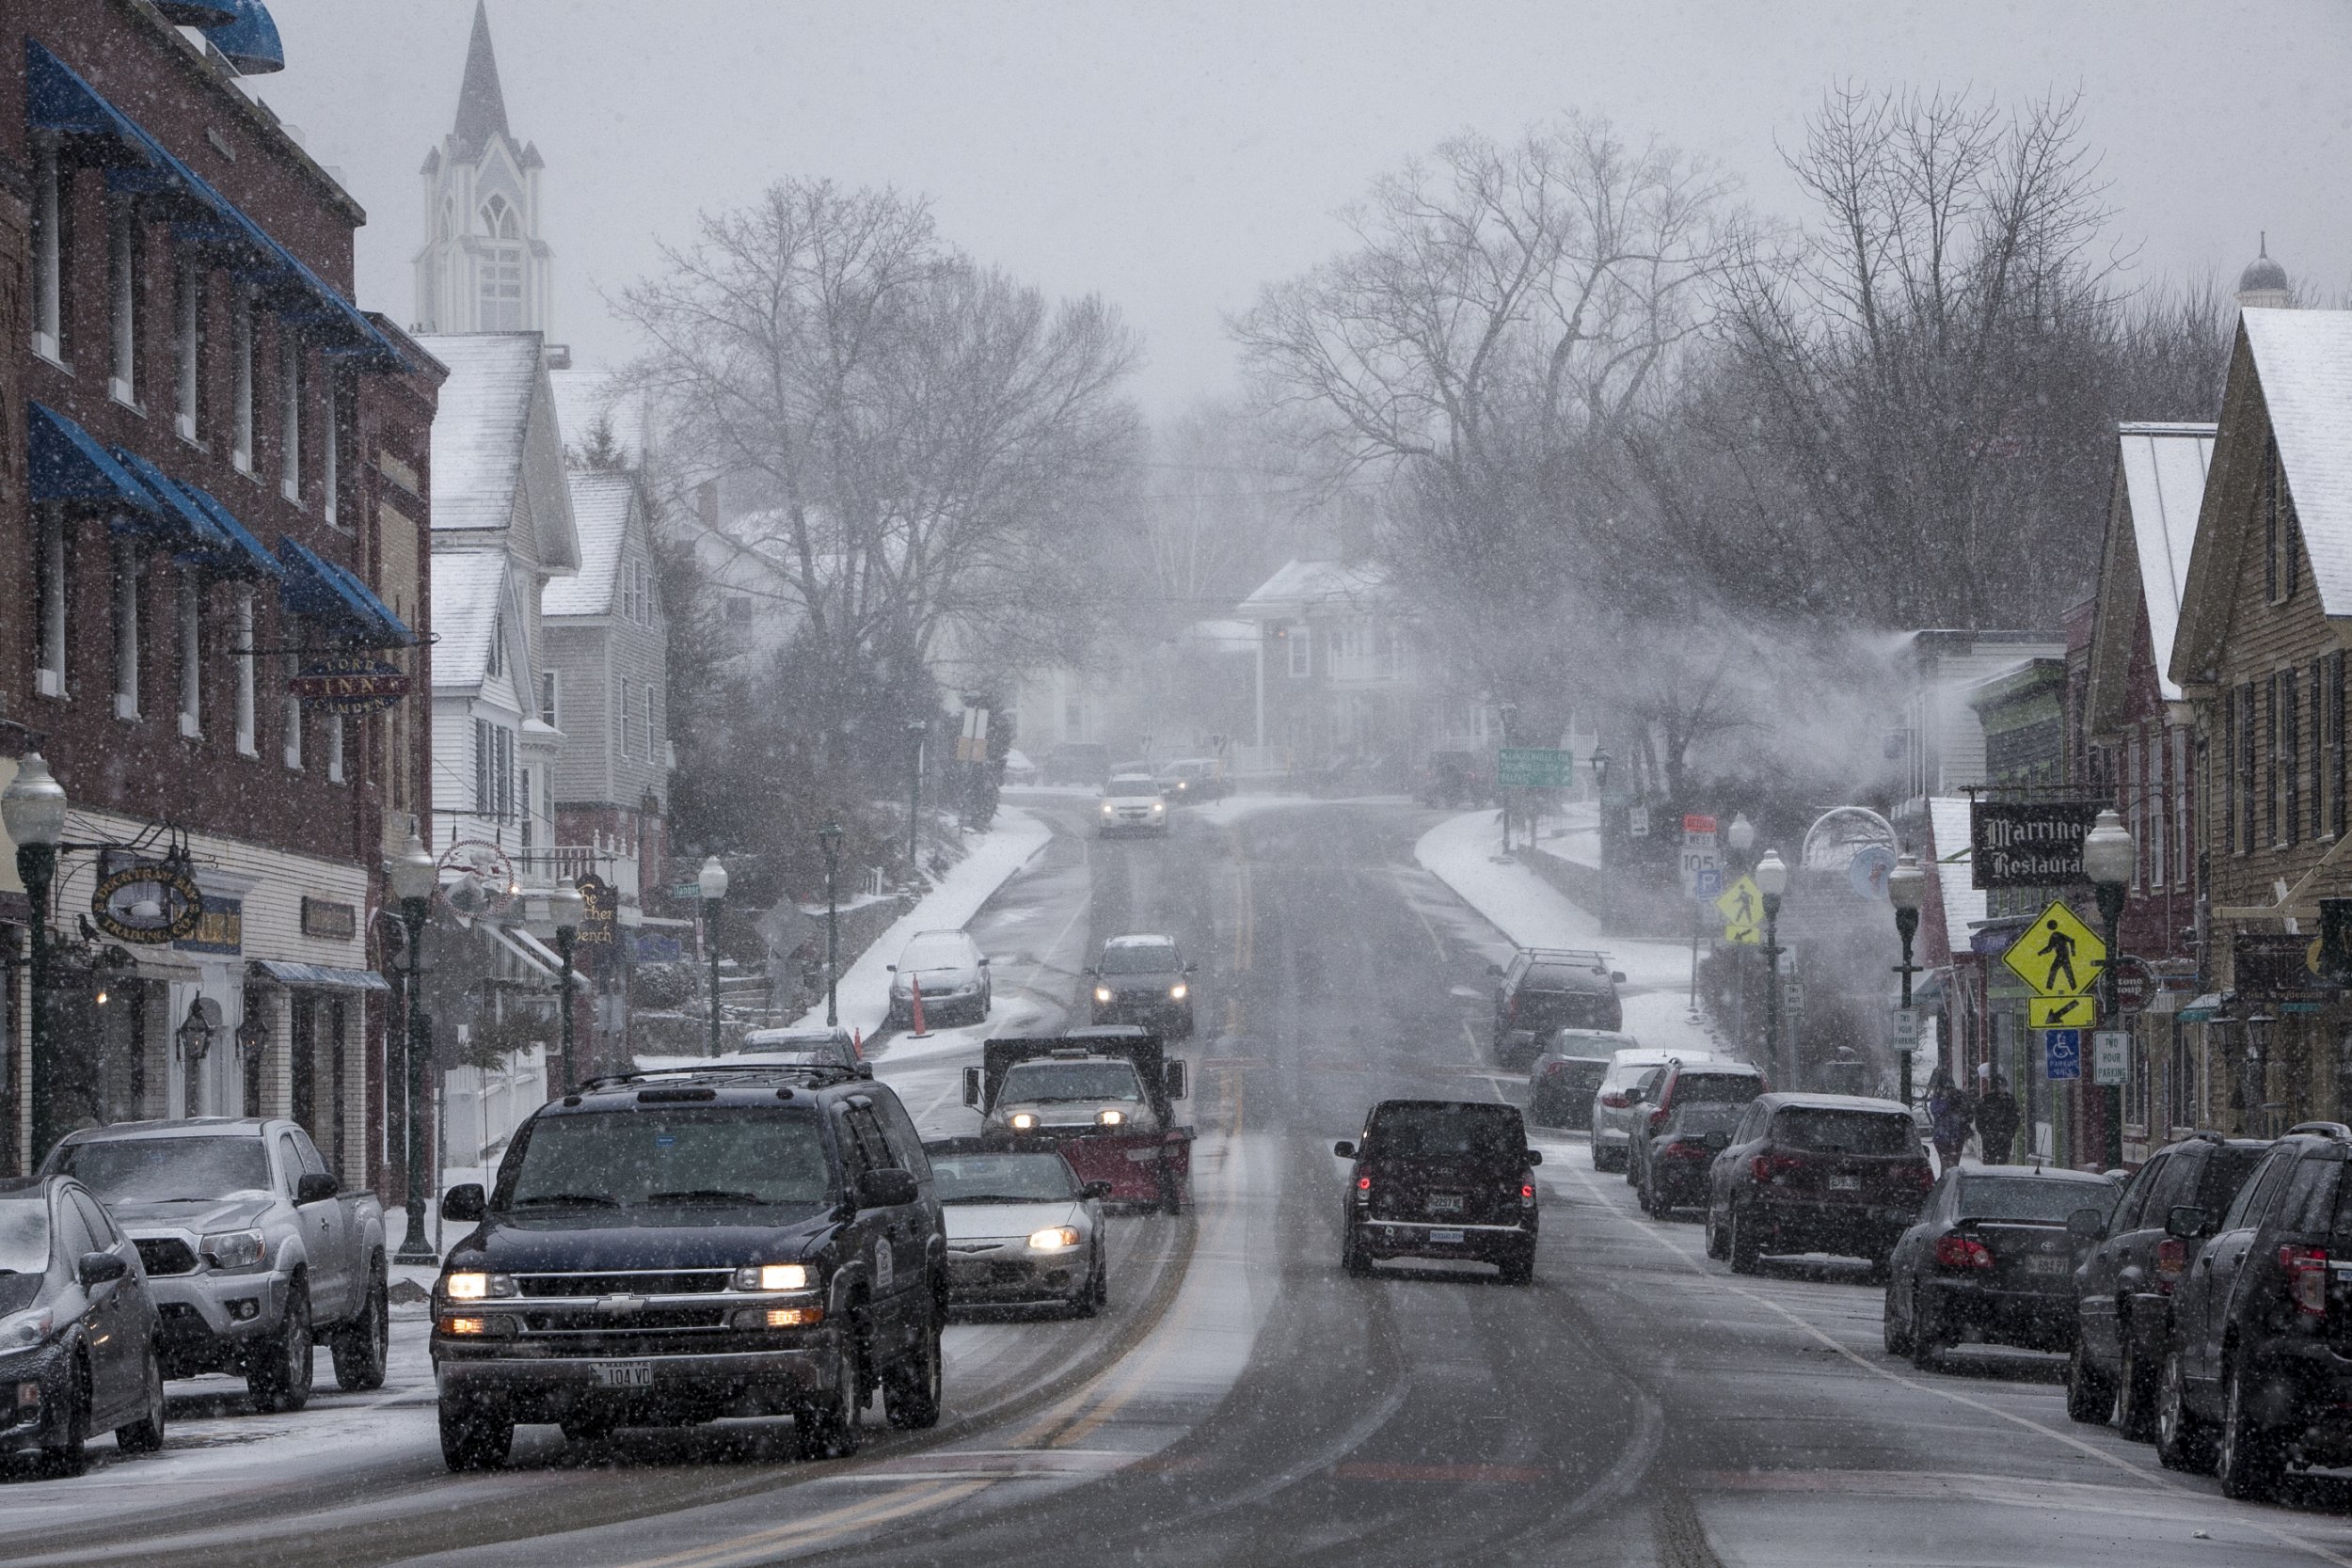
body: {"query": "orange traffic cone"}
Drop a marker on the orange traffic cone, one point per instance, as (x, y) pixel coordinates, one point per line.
(917, 1008)
(857, 1044)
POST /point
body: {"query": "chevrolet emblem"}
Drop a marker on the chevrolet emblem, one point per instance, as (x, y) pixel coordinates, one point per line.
(620, 1306)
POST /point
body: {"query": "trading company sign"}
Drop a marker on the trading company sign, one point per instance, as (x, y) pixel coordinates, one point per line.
(349, 684)
(148, 902)
(2028, 843)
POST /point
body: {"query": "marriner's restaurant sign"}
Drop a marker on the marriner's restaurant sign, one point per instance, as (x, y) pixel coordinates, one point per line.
(2028, 843)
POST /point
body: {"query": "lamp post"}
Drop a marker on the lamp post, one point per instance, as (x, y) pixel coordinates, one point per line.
(1906, 888)
(2109, 858)
(1741, 835)
(712, 881)
(33, 809)
(917, 729)
(829, 836)
(1504, 713)
(1600, 820)
(413, 876)
(1771, 881)
(564, 907)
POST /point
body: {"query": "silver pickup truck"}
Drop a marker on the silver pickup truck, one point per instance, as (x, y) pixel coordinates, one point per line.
(252, 1253)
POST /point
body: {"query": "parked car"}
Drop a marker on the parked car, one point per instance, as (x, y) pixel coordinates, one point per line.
(81, 1347)
(2259, 1372)
(1830, 1173)
(1132, 803)
(1441, 1179)
(253, 1249)
(1022, 1231)
(1993, 1258)
(1019, 770)
(802, 1048)
(1674, 1174)
(1144, 980)
(1189, 781)
(1545, 989)
(1562, 1081)
(1078, 762)
(2124, 1293)
(1618, 1098)
(686, 1245)
(1455, 779)
(1683, 1084)
(953, 972)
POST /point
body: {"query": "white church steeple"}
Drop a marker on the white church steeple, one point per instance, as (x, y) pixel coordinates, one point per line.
(483, 267)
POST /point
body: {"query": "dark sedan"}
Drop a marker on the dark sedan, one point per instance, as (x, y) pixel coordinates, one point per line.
(79, 1337)
(1992, 1259)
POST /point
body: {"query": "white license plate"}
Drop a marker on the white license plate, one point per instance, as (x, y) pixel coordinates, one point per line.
(1844, 1183)
(1445, 1203)
(1446, 1238)
(623, 1374)
(2046, 1265)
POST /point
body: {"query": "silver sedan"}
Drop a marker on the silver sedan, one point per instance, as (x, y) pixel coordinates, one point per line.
(1022, 1231)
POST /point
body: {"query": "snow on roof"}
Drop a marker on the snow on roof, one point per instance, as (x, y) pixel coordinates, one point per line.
(479, 427)
(1227, 635)
(1963, 906)
(469, 587)
(2304, 359)
(1306, 584)
(2163, 479)
(601, 506)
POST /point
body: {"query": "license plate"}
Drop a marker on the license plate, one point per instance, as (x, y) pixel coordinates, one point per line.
(623, 1374)
(1446, 1238)
(1445, 1203)
(1844, 1183)
(2046, 1265)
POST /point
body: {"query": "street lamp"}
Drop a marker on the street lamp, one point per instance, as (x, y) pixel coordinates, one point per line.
(413, 877)
(829, 835)
(1741, 834)
(2109, 858)
(1906, 888)
(32, 809)
(1771, 881)
(1600, 822)
(566, 905)
(712, 880)
(1506, 713)
(917, 729)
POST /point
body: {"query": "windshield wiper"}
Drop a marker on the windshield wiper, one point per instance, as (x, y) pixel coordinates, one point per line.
(705, 1195)
(576, 1200)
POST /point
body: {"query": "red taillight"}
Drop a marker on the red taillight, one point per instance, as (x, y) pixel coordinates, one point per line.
(2307, 1279)
(1955, 1251)
(1526, 1192)
(1363, 1184)
(1922, 1175)
(1553, 1070)
(2172, 1262)
(1656, 1119)
(1772, 1167)
(1685, 1151)
(1615, 1101)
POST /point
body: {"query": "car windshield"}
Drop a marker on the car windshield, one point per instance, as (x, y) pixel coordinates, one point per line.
(1625, 1075)
(167, 1170)
(1141, 959)
(23, 1234)
(1126, 787)
(669, 1157)
(1003, 1178)
(2023, 1197)
(1724, 1088)
(1821, 1129)
(1561, 977)
(934, 953)
(1033, 1083)
(1576, 1042)
(1443, 1131)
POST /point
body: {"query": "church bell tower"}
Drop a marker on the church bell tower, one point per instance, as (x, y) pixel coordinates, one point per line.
(483, 267)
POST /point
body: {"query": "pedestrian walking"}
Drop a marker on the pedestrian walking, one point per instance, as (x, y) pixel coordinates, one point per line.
(1948, 1118)
(1997, 1121)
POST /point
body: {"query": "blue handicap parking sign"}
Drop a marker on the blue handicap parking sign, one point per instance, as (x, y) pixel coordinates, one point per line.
(2062, 1054)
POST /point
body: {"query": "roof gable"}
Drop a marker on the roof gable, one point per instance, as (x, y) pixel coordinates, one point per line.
(2304, 361)
(498, 454)
(469, 588)
(2154, 501)
(605, 515)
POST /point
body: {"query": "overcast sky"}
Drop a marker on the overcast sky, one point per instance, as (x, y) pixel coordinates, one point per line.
(1174, 157)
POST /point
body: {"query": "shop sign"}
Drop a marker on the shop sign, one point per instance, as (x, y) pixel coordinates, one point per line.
(484, 884)
(2274, 964)
(220, 929)
(598, 941)
(349, 684)
(329, 921)
(147, 902)
(2028, 843)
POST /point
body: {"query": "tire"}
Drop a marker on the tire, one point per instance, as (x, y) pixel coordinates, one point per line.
(145, 1434)
(1519, 1268)
(1927, 1335)
(2251, 1460)
(2089, 1392)
(363, 1346)
(69, 1454)
(832, 1430)
(1717, 1245)
(1102, 1284)
(913, 1390)
(2184, 1441)
(1352, 1256)
(280, 1375)
(1896, 1337)
(1743, 1248)
(588, 1428)
(1171, 1194)
(1084, 1302)
(1608, 1159)
(2134, 1395)
(476, 1434)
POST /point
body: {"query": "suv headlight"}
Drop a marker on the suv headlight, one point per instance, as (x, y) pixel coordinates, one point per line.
(1106, 808)
(232, 1249)
(1159, 805)
(771, 1277)
(1056, 1237)
(1178, 991)
(26, 1330)
(1110, 1118)
(1021, 1121)
(475, 1285)
(1102, 993)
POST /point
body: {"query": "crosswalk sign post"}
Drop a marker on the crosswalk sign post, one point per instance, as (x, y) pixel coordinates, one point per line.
(2058, 955)
(1741, 905)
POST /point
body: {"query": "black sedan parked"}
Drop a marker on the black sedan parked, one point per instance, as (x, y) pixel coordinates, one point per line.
(79, 1349)
(1992, 1258)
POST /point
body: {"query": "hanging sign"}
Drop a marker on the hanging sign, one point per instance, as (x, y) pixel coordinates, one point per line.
(349, 684)
(484, 883)
(2028, 843)
(600, 914)
(147, 902)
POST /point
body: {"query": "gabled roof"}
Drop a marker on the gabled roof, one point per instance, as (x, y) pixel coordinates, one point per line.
(468, 589)
(2158, 488)
(1302, 585)
(480, 427)
(601, 505)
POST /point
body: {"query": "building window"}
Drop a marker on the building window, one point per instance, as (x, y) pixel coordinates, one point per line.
(647, 694)
(493, 770)
(189, 347)
(241, 658)
(2245, 740)
(550, 709)
(191, 656)
(334, 747)
(2134, 799)
(2318, 751)
(289, 715)
(330, 453)
(1302, 652)
(495, 661)
(2179, 1080)
(125, 259)
(502, 265)
(2137, 1099)
(2286, 759)
(2333, 686)
(289, 414)
(240, 385)
(2184, 847)
(50, 591)
(50, 250)
(126, 597)
(620, 703)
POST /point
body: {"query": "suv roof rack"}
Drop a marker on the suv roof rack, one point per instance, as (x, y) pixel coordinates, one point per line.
(1595, 954)
(2324, 1129)
(816, 1073)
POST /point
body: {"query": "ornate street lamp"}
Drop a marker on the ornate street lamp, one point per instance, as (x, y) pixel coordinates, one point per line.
(828, 836)
(33, 809)
(1771, 881)
(1906, 888)
(413, 876)
(1741, 836)
(564, 907)
(712, 881)
(2109, 858)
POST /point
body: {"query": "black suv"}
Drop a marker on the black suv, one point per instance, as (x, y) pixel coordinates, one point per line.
(681, 1245)
(2124, 1291)
(1816, 1173)
(2259, 1372)
(1441, 1179)
(1544, 990)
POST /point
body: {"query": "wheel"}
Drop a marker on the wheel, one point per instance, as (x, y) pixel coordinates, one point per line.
(69, 1455)
(1541, 1110)
(476, 1434)
(1744, 1248)
(1893, 1335)
(2134, 1394)
(1608, 1159)
(145, 1434)
(1087, 1299)
(2184, 1442)
(2089, 1392)
(2250, 1461)
(363, 1345)
(279, 1376)
(1171, 1193)
(1519, 1268)
(1352, 1256)
(832, 1430)
(1102, 1284)
(911, 1389)
(588, 1427)
(1927, 1334)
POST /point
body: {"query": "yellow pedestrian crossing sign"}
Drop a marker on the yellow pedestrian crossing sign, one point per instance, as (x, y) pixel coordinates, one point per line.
(2058, 955)
(2060, 1012)
(1742, 907)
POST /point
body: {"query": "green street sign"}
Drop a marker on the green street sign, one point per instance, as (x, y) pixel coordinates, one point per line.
(1532, 767)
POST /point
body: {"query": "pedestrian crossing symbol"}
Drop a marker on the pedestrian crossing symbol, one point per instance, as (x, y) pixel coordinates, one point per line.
(1741, 905)
(2058, 955)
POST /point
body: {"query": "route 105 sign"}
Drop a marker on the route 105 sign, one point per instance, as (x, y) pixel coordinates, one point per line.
(349, 684)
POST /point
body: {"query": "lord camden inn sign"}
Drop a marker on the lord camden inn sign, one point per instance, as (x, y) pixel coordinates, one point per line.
(348, 684)
(2028, 843)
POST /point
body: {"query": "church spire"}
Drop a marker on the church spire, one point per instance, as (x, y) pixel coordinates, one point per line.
(481, 103)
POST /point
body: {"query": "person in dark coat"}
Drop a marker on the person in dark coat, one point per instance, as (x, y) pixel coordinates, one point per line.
(1948, 1117)
(1997, 1121)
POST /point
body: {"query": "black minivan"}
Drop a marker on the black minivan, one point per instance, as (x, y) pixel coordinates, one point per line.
(1443, 1178)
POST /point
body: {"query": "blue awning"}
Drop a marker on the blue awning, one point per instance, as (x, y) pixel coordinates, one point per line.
(249, 41)
(68, 465)
(248, 557)
(318, 589)
(186, 525)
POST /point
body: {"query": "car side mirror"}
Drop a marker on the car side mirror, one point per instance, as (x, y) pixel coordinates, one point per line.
(1534, 1157)
(1345, 1149)
(312, 1188)
(1618, 975)
(1495, 970)
(1098, 1189)
(97, 1268)
(2087, 1225)
(2185, 1222)
(972, 1086)
(1172, 1074)
(1192, 969)
(1718, 1142)
(888, 1188)
(465, 1202)
(892, 968)
(983, 961)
